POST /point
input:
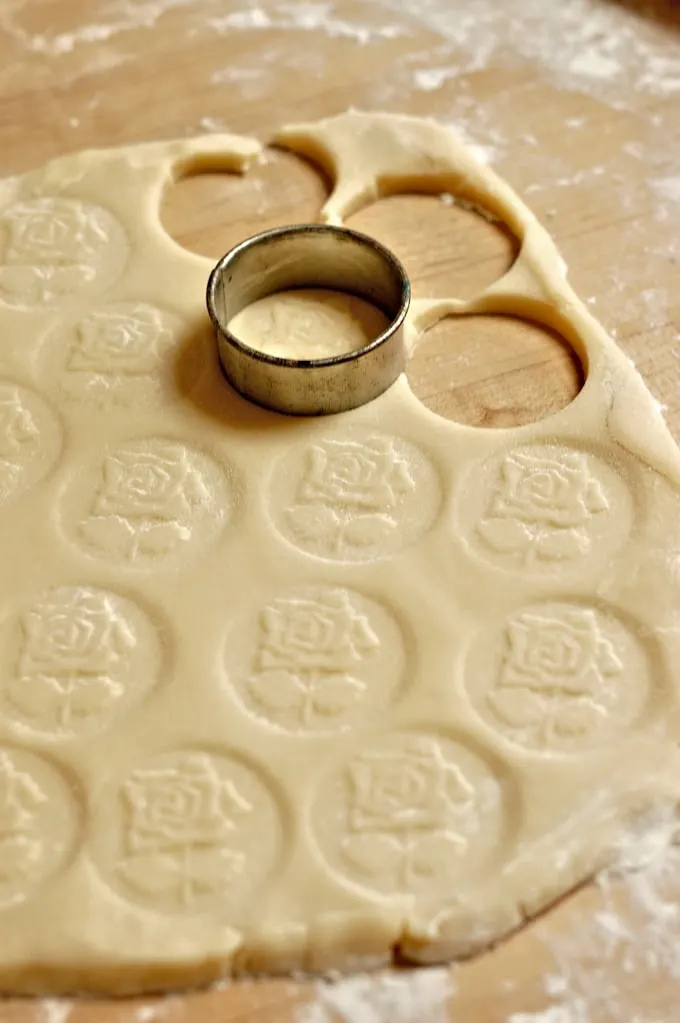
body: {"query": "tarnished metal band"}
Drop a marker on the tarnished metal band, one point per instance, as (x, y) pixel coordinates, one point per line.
(310, 256)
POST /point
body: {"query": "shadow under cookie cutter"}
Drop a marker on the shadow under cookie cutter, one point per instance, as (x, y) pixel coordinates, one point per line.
(310, 256)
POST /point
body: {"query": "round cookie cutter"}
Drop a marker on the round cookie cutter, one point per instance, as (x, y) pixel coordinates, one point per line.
(310, 256)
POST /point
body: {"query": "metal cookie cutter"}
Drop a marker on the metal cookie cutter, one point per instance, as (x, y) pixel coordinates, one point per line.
(310, 256)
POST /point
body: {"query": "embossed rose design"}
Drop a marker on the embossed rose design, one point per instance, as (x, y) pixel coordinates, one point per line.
(76, 632)
(148, 484)
(17, 426)
(149, 500)
(306, 647)
(19, 796)
(54, 247)
(349, 495)
(302, 324)
(554, 674)
(171, 808)
(409, 813)
(568, 654)
(180, 825)
(325, 634)
(73, 660)
(111, 342)
(416, 789)
(20, 847)
(544, 506)
(60, 232)
(539, 489)
(368, 476)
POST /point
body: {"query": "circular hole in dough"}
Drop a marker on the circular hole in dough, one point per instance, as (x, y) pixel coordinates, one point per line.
(494, 371)
(209, 213)
(448, 250)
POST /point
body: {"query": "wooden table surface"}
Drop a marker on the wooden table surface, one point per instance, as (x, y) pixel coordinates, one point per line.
(577, 104)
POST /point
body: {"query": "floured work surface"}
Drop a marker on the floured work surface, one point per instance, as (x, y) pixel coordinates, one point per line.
(289, 694)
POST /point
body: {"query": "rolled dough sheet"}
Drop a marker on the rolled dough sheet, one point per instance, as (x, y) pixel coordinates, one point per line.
(292, 695)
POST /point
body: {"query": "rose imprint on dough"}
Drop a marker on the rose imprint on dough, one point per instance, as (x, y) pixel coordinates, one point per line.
(309, 324)
(120, 355)
(194, 831)
(30, 439)
(80, 657)
(559, 677)
(409, 814)
(355, 500)
(54, 249)
(316, 658)
(543, 508)
(152, 501)
(39, 821)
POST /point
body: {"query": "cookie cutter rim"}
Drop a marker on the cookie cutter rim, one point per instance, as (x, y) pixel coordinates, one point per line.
(320, 386)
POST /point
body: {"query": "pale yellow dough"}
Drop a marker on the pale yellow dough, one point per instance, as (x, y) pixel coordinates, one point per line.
(310, 323)
(293, 695)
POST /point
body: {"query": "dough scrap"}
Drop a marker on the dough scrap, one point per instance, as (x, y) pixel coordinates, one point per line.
(293, 695)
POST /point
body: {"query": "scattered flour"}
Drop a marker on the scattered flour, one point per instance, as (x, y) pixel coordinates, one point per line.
(127, 15)
(490, 151)
(568, 180)
(593, 65)
(638, 928)
(603, 47)
(575, 1013)
(411, 997)
(159, 1011)
(212, 125)
(430, 79)
(244, 77)
(583, 44)
(55, 1010)
(304, 17)
(667, 188)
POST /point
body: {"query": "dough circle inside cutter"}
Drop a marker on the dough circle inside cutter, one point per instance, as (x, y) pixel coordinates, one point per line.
(309, 323)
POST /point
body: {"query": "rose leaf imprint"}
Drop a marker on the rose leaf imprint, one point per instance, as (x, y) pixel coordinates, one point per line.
(403, 813)
(349, 492)
(145, 502)
(306, 650)
(543, 506)
(20, 837)
(180, 823)
(554, 673)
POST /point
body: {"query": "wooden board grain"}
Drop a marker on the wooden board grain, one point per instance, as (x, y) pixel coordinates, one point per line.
(595, 165)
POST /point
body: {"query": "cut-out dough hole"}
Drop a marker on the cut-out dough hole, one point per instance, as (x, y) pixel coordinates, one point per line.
(448, 251)
(308, 323)
(209, 213)
(494, 371)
